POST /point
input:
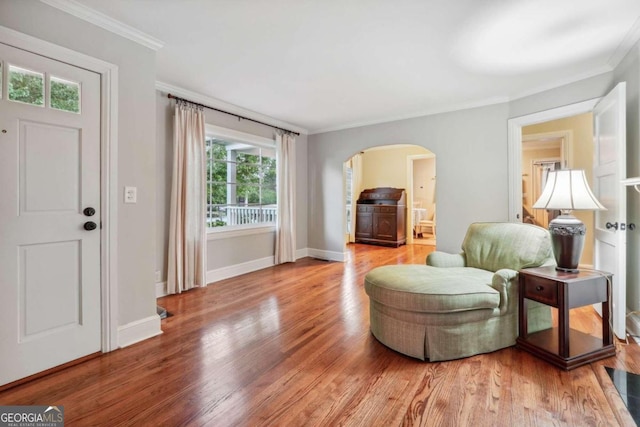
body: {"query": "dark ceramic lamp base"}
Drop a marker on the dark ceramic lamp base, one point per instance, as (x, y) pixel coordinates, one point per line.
(567, 237)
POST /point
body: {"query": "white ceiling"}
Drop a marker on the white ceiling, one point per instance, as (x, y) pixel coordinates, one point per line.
(332, 64)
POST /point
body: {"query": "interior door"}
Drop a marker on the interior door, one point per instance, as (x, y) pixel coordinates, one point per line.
(609, 168)
(49, 175)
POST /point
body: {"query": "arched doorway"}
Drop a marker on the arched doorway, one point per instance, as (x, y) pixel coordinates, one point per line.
(390, 166)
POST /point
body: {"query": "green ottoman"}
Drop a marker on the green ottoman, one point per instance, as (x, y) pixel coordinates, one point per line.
(448, 310)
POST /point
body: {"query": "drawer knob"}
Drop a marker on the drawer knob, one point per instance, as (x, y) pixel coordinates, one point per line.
(539, 288)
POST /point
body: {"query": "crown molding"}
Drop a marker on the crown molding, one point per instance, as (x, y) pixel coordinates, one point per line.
(423, 113)
(222, 105)
(483, 103)
(85, 13)
(563, 82)
(625, 45)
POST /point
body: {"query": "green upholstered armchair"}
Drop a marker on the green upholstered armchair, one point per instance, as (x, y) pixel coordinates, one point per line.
(461, 304)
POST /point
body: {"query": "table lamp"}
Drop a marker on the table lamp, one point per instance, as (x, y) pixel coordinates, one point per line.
(567, 190)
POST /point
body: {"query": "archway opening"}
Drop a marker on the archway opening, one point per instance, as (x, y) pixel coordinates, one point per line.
(409, 167)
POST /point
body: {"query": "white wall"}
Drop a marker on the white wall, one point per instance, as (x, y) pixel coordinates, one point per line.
(470, 146)
(136, 139)
(233, 251)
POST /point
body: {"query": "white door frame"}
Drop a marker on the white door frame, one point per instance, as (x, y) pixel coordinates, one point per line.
(514, 147)
(409, 190)
(108, 162)
(566, 147)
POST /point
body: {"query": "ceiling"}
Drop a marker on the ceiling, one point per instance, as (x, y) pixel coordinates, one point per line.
(333, 64)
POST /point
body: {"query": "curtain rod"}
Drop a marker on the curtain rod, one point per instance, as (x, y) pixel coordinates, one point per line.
(231, 114)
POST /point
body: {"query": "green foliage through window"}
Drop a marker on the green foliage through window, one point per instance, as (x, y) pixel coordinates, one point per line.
(26, 86)
(241, 184)
(65, 95)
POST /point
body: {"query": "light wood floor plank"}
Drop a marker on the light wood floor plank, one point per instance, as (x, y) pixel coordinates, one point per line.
(290, 346)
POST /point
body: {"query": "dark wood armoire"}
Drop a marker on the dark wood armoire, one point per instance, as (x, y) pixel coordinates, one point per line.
(381, 217)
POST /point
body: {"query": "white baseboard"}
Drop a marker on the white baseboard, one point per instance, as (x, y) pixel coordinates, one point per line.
(302, 253)
(327, 255)
(139, 330)
(633, 324)
(161, 289)
(238, 269)
(255, 265)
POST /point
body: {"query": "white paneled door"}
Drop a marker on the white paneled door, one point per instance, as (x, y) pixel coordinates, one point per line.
(609, 168)
(49, 213)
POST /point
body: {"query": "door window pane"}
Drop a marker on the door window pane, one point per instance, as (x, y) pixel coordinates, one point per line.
(26, 86)
(65, 95)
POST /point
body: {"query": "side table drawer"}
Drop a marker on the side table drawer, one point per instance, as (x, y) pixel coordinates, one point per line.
(541, 290)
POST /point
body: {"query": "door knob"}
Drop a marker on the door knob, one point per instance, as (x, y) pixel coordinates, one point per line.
(89, 212)
(631, 226)
(610, 226)
(90, 225)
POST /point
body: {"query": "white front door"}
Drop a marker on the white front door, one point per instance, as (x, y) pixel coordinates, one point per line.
(609, 168)
(49, 176)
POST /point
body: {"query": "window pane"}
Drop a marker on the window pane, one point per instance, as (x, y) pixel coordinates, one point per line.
(241, 183)
(250, 214)
(248, 174)
(217, 171)
(269, 195)
(217, 150)
(248, 158)
(248, 193)
(216, 193)
(26, 86)
(216, 216)
(65, 95)
(268, 171)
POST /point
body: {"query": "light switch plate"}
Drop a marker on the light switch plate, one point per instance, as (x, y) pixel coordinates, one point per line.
(130, 195)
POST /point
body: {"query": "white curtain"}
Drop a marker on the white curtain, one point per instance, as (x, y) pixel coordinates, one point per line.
(187, 228)
(356, 188)
(286, 219)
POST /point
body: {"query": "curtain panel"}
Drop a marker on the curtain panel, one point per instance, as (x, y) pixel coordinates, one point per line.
(285, 250)
(187, 227)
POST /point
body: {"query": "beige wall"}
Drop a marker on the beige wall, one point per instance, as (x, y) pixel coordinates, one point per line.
(528, 176)
(387, 166)
(580, 157)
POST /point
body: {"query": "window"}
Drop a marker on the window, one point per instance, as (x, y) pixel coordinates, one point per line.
(241, 182)
(28, 87)
(65, 95)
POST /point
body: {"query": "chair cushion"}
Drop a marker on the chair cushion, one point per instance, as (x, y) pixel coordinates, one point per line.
(493, 246)
(429, 289)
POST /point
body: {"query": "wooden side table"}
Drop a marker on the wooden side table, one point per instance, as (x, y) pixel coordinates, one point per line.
(562, 346)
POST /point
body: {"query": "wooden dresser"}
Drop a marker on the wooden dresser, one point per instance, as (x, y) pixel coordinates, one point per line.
(381, 217)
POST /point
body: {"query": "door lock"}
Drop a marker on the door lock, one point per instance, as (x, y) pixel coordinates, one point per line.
(89, 212)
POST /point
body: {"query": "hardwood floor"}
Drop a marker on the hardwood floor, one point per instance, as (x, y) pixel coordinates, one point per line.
(290, 346)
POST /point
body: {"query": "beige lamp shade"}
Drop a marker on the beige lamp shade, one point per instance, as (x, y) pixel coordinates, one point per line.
(567, 190)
